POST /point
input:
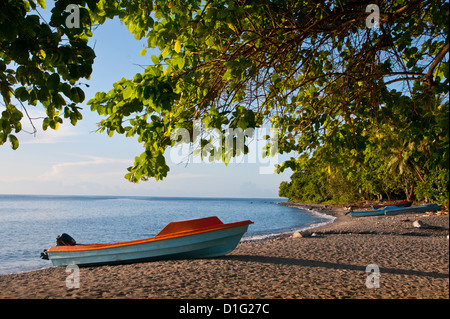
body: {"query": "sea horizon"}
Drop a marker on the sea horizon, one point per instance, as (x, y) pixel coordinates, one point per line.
(154, 196)
(30, 223)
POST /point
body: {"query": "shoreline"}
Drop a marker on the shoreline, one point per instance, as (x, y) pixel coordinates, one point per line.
(330, 214)
(413, 263)
(336, 213)
(250, 238)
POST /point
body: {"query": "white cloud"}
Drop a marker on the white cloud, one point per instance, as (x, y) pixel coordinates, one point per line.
(186, 176)
(90, 169)
(49, 136)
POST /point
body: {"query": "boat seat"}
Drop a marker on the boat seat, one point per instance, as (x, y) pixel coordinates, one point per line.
(189, 225)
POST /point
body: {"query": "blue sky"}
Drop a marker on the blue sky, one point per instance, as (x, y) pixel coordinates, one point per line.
(77, 161)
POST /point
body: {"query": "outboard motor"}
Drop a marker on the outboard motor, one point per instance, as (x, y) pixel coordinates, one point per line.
(65, 240)
(44, 254)
(61, 240)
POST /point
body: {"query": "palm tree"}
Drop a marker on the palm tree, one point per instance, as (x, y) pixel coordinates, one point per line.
(401, 164)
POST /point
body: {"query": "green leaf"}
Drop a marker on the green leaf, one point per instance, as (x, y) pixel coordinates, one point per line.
(227, 76)
(45, 123)
(177, 46)
(143, 52)
(180, 62)
(77, 95)
(137, 78)
(14, 142)
(53, 81)
(231, 26)
(128, 92)
(155, 59)
(21, 93)
(42, 4)
(165, 52)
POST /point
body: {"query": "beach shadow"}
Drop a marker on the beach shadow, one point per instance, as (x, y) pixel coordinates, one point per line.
(330, 265)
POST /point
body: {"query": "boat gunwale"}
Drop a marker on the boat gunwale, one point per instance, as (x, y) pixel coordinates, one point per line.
(396, 210)
(399, 203)
(99, 246)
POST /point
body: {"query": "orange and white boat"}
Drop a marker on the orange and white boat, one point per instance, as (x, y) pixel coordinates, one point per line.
(195, 238)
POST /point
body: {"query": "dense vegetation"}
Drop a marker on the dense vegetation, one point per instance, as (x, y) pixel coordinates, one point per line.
(360, 98)
(380, 161)
(41, 64)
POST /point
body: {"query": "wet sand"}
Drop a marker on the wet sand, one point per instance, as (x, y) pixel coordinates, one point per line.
(412, 262)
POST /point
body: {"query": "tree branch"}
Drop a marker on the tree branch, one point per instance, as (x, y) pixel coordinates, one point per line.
(437, 60)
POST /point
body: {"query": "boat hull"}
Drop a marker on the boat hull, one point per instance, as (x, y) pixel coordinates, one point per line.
(201, 245)
(393, 210)
(399, 204)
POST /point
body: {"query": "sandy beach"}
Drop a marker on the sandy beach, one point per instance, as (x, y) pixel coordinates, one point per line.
(412, 262)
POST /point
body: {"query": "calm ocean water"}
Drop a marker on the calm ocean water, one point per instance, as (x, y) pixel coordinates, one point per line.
(29, 224)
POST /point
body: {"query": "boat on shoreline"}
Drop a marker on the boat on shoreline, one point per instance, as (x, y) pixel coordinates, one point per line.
(393, 210)
(195, 238)
(402, 203)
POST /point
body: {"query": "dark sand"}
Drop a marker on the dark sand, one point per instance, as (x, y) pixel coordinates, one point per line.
(413, 263)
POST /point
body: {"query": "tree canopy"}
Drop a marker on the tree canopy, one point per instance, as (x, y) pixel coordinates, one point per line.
(41, 61)
(358, 90)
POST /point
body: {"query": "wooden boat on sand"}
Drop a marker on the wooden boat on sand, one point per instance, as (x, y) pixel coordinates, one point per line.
(393, 210)
(402, 203)
(196, 238)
